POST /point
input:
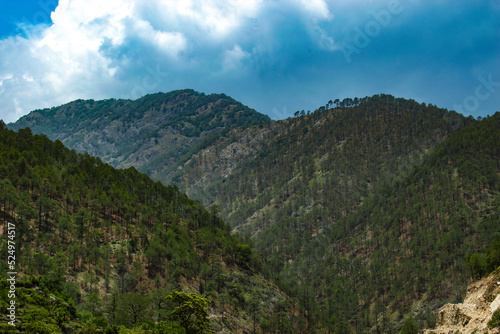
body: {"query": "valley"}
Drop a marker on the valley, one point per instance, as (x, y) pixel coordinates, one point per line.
(360, 214)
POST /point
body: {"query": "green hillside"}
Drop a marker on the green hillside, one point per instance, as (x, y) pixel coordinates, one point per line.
(321, 165)
(405, 249)
(98, 249)
(366, 210)
(154, 133)
(351, 209)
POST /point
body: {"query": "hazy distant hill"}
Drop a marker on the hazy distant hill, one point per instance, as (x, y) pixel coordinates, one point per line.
(154, 133)
(366, 209)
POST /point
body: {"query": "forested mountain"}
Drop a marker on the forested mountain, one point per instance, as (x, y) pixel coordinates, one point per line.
(154, 133)
(405, 249)
(97, 249)
(367, 213)
(367, 210)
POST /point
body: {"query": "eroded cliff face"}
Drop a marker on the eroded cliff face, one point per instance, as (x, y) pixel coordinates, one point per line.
(473, 315)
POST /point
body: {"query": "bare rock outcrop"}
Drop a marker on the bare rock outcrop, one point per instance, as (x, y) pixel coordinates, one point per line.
(473, 315)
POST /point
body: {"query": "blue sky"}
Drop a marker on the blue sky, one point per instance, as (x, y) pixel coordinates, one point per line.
(15, 14)
(276, 56)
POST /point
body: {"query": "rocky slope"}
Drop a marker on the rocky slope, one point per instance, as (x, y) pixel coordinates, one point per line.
(473, 315)
(154, 133)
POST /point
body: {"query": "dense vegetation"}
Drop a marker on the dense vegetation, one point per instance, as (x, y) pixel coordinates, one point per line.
(409, 242)
(99, 248)
(154, 133)
(367, 210)
(363, 212)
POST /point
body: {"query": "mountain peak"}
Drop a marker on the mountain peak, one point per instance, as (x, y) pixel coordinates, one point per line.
(150, 131)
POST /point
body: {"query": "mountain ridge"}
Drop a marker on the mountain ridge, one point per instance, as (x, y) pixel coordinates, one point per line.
(341, 196)
(161, 126)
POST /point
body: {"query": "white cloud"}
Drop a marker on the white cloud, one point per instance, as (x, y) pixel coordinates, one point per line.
(216, 18)
(98, 49)
(170, 43)
(108, 48)
(5, 77)
(233, 57)
(318, 8)
(28, 78)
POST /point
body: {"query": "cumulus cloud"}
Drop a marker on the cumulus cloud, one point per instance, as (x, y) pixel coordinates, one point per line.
(98, 49)
(234, 57)
(318, 8)
(270, 54)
